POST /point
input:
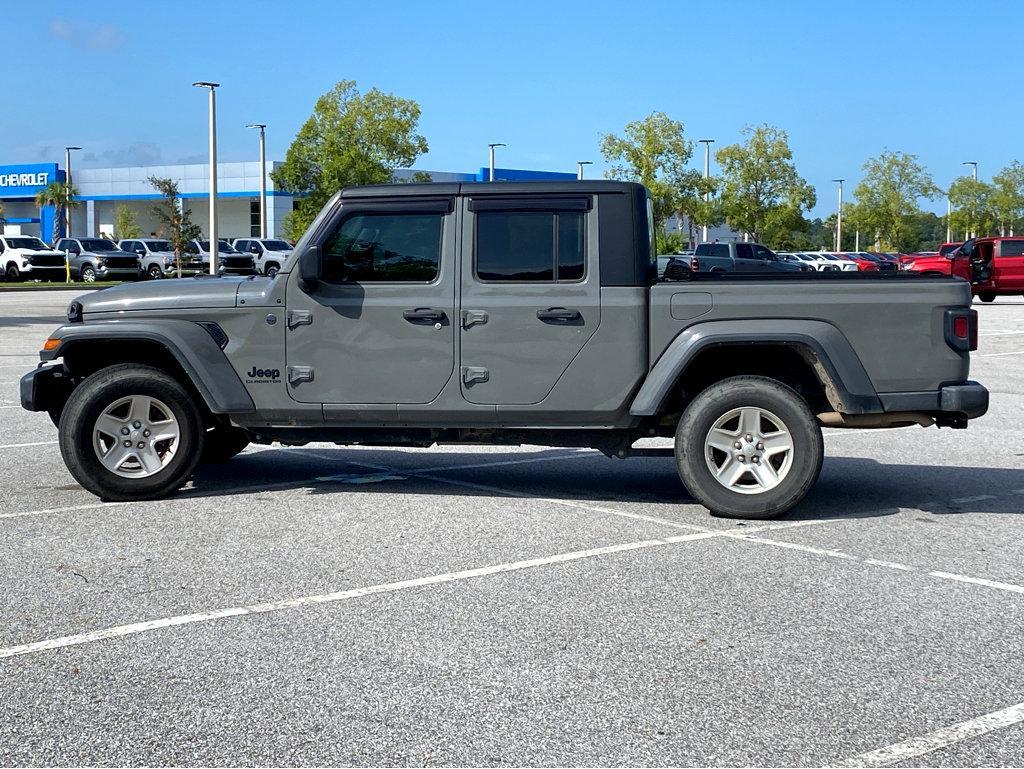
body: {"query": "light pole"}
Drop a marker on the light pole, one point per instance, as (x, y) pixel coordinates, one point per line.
(263, 176)
(974, 174)
(579, 167)
(214, 247)
(839, 217)
(949, 215)
(67, 184)
(491, 147)
(707, 174)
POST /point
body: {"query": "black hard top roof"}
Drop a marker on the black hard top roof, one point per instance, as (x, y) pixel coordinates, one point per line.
(586, 186)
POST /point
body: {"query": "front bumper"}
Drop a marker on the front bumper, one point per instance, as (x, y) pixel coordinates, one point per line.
(44, 388)
(951, 405)
(119, 272)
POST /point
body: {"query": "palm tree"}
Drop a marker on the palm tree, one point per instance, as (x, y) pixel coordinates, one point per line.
(58, 195)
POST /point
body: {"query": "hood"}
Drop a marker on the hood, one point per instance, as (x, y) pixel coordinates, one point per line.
(174, 294)
(37, 252)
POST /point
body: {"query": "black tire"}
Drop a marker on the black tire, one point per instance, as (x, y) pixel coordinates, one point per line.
(717, 401)
(271, 270)
(986, 297)
(94, 395)
(88, 274)
(154, 272)
(12, 273)
(222, 443)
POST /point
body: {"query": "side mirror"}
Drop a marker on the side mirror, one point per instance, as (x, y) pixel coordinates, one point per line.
(309, 269)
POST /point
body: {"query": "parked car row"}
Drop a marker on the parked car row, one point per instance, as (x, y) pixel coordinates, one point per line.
(754, 257)
(26, 257)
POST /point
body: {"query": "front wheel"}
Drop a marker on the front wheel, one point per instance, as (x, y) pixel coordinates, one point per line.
(12, 273)
(272, 270)
(748, 447)
(154, 272)
(131, 432)
(88, 274)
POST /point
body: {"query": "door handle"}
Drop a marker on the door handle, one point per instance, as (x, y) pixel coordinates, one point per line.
(559, 315)
(424, 315)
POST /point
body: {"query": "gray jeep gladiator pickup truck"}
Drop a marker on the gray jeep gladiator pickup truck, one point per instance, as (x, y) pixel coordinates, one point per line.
(510, 313)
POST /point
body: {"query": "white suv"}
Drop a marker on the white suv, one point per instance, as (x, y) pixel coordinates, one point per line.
(270, 253)
(25, 256)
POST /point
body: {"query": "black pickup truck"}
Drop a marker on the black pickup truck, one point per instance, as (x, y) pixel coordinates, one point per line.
(513, 313)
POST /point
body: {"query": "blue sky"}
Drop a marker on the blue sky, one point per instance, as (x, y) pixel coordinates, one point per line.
(846, 80)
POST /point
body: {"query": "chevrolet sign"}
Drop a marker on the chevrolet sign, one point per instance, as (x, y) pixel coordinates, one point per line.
(26, 180)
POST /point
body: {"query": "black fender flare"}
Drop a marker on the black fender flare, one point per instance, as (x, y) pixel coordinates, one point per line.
(191, 345)
(836, 363)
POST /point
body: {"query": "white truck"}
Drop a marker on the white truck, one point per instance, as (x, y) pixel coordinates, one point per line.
(26, 257)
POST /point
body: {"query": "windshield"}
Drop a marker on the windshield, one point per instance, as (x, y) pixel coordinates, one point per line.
(276, 245)
(158, 245)
(32, 244)
(222, 247)
(98, 244)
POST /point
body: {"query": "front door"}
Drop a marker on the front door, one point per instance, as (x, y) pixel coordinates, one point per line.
(531, 295)
(380, 326)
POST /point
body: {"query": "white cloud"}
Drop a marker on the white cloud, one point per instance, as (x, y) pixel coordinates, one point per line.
(93, 36)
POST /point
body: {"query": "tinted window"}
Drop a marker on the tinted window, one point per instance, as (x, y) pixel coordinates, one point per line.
(763, 253)
(744, 251)
(530, 246)
(713, 249)
(1012, 248)
(277, 245)
(98, 244)
(384, 247)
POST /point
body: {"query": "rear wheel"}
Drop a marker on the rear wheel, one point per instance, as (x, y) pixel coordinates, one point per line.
(987, 297)
(131, 432)
(748, 447)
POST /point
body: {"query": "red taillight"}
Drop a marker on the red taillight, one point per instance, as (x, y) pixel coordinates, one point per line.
(694, 264)
(961, 328)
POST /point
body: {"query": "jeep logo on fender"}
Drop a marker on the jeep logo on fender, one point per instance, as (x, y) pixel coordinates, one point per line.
(263, 375)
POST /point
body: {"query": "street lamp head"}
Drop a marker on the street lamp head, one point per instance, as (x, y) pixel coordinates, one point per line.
(256, 125)
(204, 84)
(497, 144)
(705, 141)
(839, 180)
(585, 162)
(72, 148)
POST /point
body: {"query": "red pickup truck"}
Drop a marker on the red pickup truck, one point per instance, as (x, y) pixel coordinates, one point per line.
(993, 266)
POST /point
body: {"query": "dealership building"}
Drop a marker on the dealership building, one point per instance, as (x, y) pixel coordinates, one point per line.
(101, 190)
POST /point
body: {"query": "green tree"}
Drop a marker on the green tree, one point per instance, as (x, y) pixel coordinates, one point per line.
(60, 196)
(125, 224)
(971, 201)
(1008, 197)
(762, 193)
(654, 151)
(176, 221)
(350, 138)
(888, 199)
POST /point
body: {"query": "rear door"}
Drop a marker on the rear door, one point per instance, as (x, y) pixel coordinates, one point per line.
(380, 327)
(530, 297)
(1009, 265)
(745, 260)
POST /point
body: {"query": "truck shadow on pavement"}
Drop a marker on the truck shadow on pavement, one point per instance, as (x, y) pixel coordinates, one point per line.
(847, 487)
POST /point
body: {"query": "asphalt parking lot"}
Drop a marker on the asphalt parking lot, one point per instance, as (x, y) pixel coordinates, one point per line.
(479, 606)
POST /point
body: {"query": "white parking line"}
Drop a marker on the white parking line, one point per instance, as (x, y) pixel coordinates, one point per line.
(121, 631)
(978, 581)
(1001, 333)
(940, 738)
(997, 354)
(27, 445)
